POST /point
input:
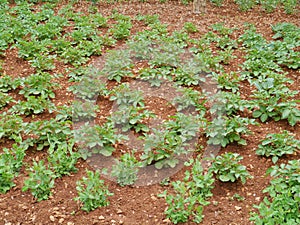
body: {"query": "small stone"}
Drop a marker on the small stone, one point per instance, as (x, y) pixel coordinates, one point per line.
(167, 221)
(70, 223)
(237, 208)
(55, 209)
(119, 211)
(153, 198)
(52, 218)
(101, 217)
(121, 222)
(61, 220)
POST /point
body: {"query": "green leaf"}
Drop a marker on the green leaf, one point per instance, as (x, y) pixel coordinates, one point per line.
(264, 117)
(256, 113)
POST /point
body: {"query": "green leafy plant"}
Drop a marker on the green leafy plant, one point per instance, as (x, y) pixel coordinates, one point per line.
(97, 139)
(121, 30)
(7, 83)
(11, 161)
(40, 181)
(190, 27)
(155, 76)
(188, 99)
(92, 192)
(11, 127)
(227, 81)
(272, 102)
(90, 86)
(225, 130)
(39, 84)
(289, 6)
(277, 145)
(190, 196)
(5, 99)
(33, 105)
(228, 103)
(117, 65)
(245, 5)
(84, 110)
(62, 158)
(282, 205)
(163, 146)
(125, 97)
(269, 5)
(131, 118)
(45, 132)
(227, 168)
(126, 169)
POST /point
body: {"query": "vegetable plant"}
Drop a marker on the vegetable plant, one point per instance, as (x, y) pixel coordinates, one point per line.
(39, 84)
(33, 105)
(92, 192)
(62, 158)
(97, 139)
(227, 168)
(40, 181)
(190, 195)
(277, 145)
(282, 204)
(11, 161)
(224, 130)
(125, 170)
(131, 118)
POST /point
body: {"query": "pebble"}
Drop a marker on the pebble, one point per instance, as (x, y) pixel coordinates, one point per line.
(119, 211)
(237, 208)
(61, 220)
(52, 218)
(70, 223)
(101, 217)
(167, 221)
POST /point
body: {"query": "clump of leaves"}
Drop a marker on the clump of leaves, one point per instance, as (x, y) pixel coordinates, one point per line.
(277, 145)
(92, 192)
(188, 99)
(11, 161)
(97, 139)
(155, 76)
(131, 118)
(7, 83)
(84, 110)
(62, 159)
(190, 27)
(40, 181)
(117, 65)
(271, 101)
(45, 132)
(227, 81)
(282, 205)
(5, 99)
(190, 196)
(126, 169)
(11, 126)
(163, 146)
(125, 97)
(225, 130)
(40, 84)
(227, 168)
(33, 105)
